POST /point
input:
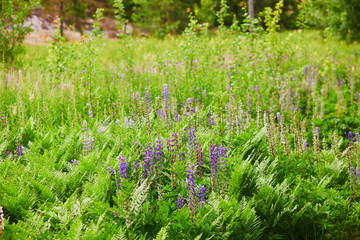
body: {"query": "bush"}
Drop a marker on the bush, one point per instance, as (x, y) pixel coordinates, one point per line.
(12, 31)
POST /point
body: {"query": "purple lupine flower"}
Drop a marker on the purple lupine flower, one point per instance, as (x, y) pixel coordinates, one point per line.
(214, 160)
(101, 129)
(211, 122)
(180, 202)
(84, 126)
(357, 137)
(178, 118)
(91, 114)
(166, 95)
(161, 114)
(111, 170)
(123, 167)
(350, 136)
(190, 180)
(192, 138)
(249, 103)
(159, 153)
(172, 147)
(358, 174)
(352, 172)
(202, 195)
(74, 162)
(358, 96)
(19, 150)
(7, 154)
(257, 89)
(182, 156)
(317, 131)
(147, 99)
(306, 145)
(135, 166)
(137, 95)
(204, 93)
(190, 101)
(1, 219)
(123, 170)
(199, 160)
(223, 154)
(88, 144)
(147, 163)
(278, 116)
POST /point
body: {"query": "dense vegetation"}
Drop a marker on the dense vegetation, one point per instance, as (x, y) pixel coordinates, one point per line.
(249, 134)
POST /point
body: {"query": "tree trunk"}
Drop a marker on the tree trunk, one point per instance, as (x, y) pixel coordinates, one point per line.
(251, 9)
(62, 18)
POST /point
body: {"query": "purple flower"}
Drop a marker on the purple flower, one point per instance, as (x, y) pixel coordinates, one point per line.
(214, 160)
(180, 202)
(192, 138)
(358, 96)
(111, 170)
(182, 156)
(159, 154)
(166, 95)
(7, 154)
(135, 166)
(278, 116)
(350, 136)
(85, 125)
(123, 170)
(199, 160)
(147, 99)
(178, 118)
(305, 145)
(88, 144)
(202, 195)
(249, 103)
(147, 163)
(91, 114)
(358, 174)
(190, 180)
(19, 151)
(137, 95)
(74, 162)
(204, 93)
(223, 154)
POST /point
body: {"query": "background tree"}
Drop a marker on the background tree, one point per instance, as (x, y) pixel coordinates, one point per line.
(69, 11)
(12, 31)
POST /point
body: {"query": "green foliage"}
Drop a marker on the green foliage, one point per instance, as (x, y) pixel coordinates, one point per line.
(337, 18)
(270, 186)
(12, 31)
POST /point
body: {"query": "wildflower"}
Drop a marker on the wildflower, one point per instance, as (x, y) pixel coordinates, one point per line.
(204, 93)
(147, 99)
(249, 103)
(101, 129)
(85, 125)
(190, 180)
(7, 154)
(278, 116)
(182, 156)
(147, 161)
(135, 166)
(19, 151)
(1, 220)
(111, 170)
(137, 95)
(123, 169)
(199, 160)
(214, 158)
(91, 114)
(202, 195)
(180, 202)
(166, 95)
(159, 154)
(74, 162)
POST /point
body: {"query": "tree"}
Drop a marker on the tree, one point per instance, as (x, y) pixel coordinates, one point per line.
(251, 9)
(12, 31)
(69, 11)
